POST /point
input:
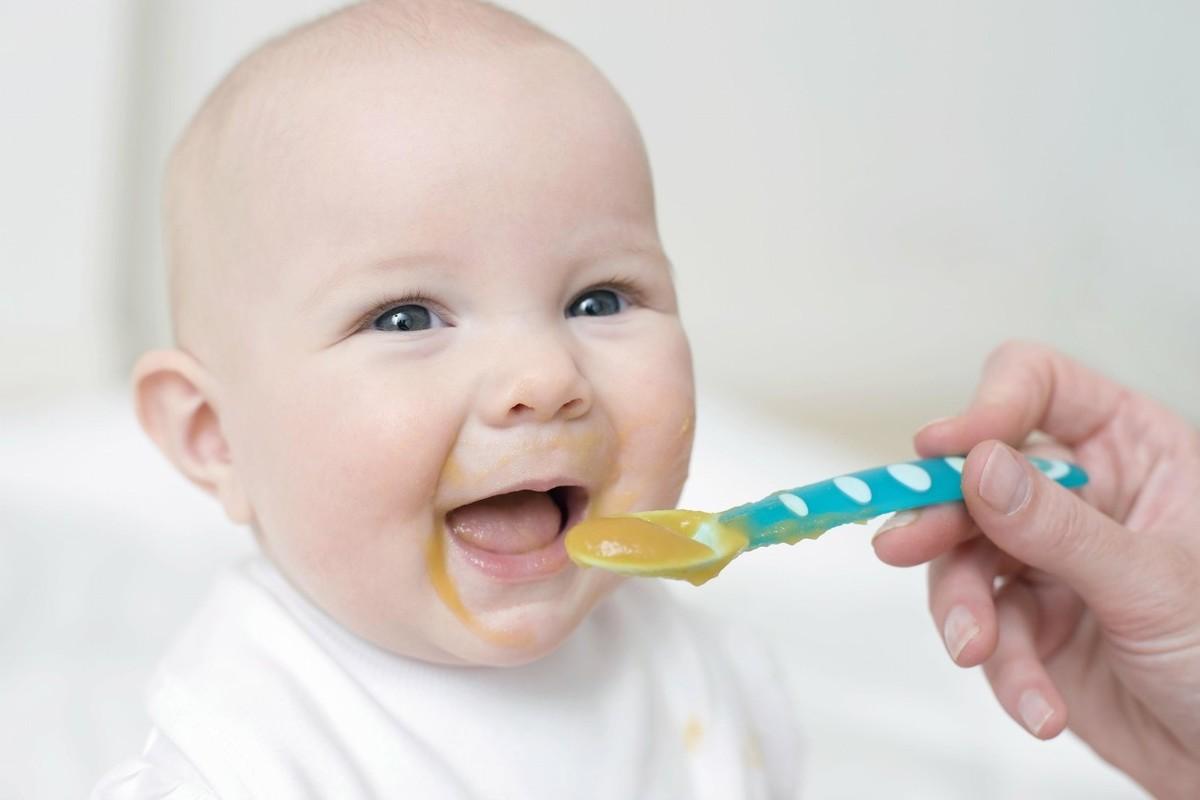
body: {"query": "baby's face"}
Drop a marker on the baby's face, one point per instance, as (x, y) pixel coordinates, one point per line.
(458, 293)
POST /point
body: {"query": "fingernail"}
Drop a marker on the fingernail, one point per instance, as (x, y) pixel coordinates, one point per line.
(958, 631)
(1004, 484)
(897, 520)
(1034, 711)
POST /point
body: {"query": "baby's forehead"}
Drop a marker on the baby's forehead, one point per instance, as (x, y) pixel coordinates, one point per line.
(422, 144)
(306, 172)
(277, 125)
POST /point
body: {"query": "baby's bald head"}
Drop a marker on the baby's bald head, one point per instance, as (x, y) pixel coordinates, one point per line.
(246, 137)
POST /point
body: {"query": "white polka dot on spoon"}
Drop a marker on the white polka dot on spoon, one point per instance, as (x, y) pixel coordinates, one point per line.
(1055, 469)
(911, 476)
(854, 488)
(794, 504)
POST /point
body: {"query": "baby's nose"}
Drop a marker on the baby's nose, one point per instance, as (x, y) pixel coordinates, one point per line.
(537, 381)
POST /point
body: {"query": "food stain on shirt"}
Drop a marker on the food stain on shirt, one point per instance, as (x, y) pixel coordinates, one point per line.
(693, 734)
(753, 750)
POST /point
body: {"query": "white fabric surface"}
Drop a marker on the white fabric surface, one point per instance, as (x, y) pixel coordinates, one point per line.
(264, 696)
(105, 552)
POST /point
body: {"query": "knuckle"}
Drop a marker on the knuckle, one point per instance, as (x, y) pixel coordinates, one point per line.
(998, 354)
(1019, 369)
(1022, 351)
(1014, 350)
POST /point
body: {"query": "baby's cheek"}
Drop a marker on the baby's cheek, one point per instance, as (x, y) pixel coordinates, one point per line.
(348, 470)
(665, 390)
(656, 423)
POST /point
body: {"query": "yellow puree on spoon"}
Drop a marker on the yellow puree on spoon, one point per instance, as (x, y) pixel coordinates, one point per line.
(657, 544)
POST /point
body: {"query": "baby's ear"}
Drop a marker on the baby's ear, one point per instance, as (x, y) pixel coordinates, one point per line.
(174, 403)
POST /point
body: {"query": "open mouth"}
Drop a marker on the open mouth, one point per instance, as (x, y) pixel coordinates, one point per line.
(570, 502)
(518, 534)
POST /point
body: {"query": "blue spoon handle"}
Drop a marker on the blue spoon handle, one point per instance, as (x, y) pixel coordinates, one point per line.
(809, 511)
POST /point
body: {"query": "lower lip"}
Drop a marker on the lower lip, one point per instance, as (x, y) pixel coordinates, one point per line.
(516, 567)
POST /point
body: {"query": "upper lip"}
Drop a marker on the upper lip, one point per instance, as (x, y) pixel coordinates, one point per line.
(533, 485)
(528, 485)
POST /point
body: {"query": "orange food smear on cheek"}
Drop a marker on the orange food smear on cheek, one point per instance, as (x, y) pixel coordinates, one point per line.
(452, 473)
(686, 427)
(447, 592)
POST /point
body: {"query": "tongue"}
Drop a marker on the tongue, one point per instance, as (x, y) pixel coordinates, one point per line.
(508, 523)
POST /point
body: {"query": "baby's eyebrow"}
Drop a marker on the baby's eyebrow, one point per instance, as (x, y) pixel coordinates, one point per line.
(646, 250)
(415, 262)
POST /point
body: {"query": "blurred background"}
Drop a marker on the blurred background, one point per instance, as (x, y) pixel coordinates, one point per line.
(861, 198)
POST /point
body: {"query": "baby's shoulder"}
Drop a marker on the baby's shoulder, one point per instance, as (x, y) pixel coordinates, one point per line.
(263, 700)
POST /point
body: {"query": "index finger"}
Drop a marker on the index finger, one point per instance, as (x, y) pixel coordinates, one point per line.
(1027, 387)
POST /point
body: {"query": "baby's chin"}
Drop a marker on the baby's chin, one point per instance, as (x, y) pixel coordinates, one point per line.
(530, 624)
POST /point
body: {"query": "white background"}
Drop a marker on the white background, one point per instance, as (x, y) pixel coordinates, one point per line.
(861, 199)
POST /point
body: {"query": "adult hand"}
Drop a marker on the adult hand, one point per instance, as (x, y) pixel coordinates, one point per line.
(1083, 607)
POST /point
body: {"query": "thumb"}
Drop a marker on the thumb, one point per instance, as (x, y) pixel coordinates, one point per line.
(1037, 521)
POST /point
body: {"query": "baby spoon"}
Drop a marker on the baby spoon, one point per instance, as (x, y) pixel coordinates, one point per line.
(695, 546)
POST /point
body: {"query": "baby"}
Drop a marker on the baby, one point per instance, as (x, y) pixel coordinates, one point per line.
(424, 325)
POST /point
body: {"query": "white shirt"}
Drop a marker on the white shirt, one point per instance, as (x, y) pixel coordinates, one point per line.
(265, 696)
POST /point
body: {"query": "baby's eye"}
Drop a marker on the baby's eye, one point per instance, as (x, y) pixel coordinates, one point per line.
(597, 303)
(408, 317)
